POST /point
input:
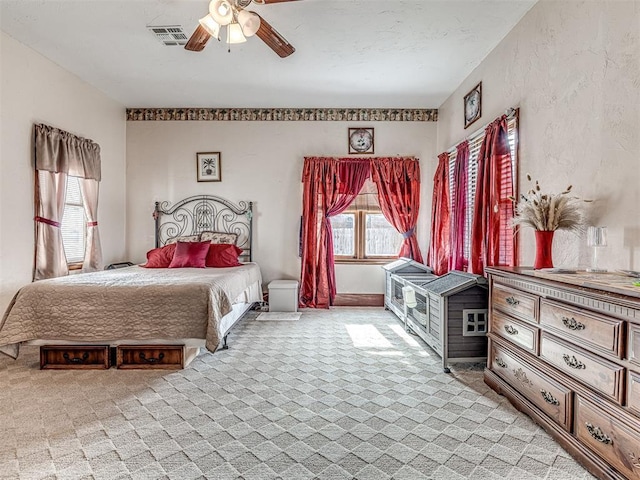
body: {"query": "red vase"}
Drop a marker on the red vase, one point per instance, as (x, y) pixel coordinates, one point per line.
(544, 249)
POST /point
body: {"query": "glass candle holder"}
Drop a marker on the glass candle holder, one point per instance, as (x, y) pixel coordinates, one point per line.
(596, 239)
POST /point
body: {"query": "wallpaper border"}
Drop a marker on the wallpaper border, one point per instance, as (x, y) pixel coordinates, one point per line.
(283, 114)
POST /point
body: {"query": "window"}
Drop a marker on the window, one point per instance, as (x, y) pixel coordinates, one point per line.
(344, 234)
(474, 322)
(507, 185)
(74, 223)
(361, 233)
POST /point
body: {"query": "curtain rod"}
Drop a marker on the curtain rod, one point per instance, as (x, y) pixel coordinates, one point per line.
(509, 112)
(368, 157)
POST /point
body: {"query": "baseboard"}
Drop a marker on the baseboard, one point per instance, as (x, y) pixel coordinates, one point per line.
(359, 300)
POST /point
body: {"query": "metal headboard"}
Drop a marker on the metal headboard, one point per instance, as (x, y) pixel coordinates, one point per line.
(205, 213)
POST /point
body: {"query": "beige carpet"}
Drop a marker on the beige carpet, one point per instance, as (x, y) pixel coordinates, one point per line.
(340, 394)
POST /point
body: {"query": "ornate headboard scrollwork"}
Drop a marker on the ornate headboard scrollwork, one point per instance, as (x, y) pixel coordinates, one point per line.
(205, 213)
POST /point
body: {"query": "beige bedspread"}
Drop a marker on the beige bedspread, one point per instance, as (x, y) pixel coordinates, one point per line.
(134, 303)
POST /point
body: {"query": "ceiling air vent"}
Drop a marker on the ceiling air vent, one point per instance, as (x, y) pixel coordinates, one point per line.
(171, 35)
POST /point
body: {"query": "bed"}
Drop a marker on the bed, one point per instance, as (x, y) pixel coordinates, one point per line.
(136, 305)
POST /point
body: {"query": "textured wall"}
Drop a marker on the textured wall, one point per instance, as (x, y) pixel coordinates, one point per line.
(573, 68)
(261, 162)
(35, 90)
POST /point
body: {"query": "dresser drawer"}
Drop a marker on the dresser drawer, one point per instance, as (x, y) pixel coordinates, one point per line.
(547, 394)
(80, 357)
(610, 434)
(633, 392)
(590, 330)
(514, 302)
(592, 370)
(522, 334)
(634, 343)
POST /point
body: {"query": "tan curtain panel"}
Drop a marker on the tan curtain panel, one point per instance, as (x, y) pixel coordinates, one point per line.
(93, 251)
(62, 152)
(50, 260)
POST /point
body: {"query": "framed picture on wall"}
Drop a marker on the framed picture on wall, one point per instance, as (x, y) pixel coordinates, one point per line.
(208, 165)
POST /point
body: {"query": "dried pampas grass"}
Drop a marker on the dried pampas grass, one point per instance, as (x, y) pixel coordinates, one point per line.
(543, 211)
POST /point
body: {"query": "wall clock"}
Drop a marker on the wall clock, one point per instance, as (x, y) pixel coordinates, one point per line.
(473, 105)
(361, 140)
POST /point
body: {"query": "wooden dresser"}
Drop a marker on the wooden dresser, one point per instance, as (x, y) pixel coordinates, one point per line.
(565, 349)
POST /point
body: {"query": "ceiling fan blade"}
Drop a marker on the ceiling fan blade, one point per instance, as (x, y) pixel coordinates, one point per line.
(198, 40)
(273, 39)
(266, 2)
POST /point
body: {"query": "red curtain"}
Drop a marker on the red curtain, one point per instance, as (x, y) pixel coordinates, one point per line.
(438, 258)
(491, 235)
(459, 213)
(330, 185)
(398, 183)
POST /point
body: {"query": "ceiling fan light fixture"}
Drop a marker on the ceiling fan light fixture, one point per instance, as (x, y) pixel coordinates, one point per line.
(240, 24)
(234, 34)
(221, 11)
(249, 21)
(211, 26)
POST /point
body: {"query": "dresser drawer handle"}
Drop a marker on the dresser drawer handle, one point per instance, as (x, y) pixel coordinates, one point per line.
(549, 398)
(512, 301)
(82, 359)
(511, 330)
(598, 434)
(572, 324)
(144, 358)
(500, 362)
(573, 362)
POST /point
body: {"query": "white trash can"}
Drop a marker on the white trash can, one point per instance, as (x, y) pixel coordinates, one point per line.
(283, 296)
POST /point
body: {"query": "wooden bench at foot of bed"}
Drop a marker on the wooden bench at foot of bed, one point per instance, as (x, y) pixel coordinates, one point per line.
(141, 357)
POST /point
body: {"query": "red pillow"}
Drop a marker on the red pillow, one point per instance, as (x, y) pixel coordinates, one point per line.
(160, 257)
(190, 254)
(223, 255)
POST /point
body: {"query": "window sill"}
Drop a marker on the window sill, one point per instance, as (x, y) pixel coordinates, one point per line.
(74, 266)
(364, 261)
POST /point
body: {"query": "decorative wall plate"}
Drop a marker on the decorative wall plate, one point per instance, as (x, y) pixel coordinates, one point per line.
(473, 105)
(361, 140)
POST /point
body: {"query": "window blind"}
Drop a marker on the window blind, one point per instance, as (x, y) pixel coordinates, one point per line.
(367, 199)
(73, 222)
(508, 189)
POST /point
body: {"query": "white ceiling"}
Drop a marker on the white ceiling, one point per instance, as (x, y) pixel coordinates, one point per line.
(349, 53)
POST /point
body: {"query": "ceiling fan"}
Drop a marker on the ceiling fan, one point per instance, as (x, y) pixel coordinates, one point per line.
(240, 24)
